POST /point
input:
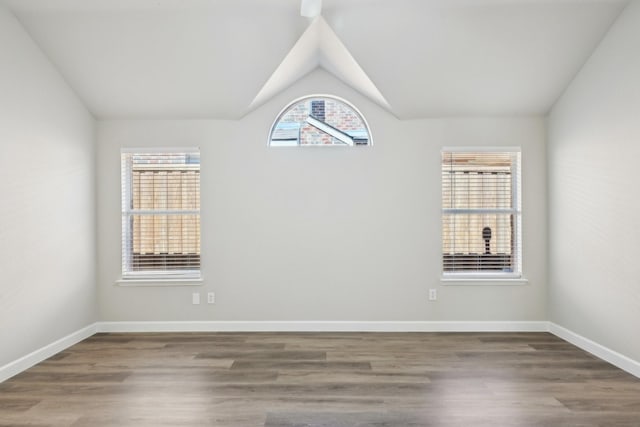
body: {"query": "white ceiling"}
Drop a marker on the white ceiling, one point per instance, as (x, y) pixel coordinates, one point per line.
(319, 47)
(211, 58)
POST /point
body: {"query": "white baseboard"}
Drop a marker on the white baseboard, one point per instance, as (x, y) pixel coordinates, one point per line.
(625, 363)
(324, 326)
(621, 361)
(13, 368)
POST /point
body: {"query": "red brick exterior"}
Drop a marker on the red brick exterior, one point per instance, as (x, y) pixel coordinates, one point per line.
(336, 114)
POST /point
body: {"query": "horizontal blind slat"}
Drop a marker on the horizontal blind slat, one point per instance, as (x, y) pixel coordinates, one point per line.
(160, 211)
(480, 211)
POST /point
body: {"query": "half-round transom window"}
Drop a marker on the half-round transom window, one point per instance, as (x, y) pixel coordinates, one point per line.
(319, 121)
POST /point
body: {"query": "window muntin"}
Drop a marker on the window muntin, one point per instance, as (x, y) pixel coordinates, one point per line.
(160, 213)
(319, 121)
(481, 212)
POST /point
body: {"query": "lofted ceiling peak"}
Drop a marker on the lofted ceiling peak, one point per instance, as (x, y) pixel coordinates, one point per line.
(319, 47)
(219, 59)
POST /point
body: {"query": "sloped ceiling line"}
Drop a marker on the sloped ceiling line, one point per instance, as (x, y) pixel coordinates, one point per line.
(319, 47)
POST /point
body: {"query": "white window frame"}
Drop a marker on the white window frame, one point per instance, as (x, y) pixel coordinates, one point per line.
(492, 277)
(153, 277)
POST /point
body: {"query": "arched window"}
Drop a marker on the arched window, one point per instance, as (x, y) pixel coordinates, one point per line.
(319, 121)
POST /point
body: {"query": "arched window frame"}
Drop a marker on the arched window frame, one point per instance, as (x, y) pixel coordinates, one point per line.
(309, 98)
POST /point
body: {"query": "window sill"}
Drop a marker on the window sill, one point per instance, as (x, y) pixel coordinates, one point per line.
(461, 280)
(160, 281)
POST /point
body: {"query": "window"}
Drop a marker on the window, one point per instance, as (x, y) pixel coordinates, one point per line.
(481, 215)
(319, 121)
(160, 213)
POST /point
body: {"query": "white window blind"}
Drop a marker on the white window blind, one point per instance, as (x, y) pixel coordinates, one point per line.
(481, 212)
(160, 213)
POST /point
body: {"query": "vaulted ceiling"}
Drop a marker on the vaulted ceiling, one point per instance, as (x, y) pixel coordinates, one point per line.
(223, 58)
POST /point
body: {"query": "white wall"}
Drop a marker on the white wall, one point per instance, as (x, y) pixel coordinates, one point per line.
(322, 233)
(47, 209)
(594, 204)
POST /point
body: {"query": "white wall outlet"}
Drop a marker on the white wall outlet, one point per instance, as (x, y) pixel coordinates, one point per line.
(433, 294)
(211, 298)
(195, 298)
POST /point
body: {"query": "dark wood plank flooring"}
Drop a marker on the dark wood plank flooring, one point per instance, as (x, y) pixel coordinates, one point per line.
(322, 379)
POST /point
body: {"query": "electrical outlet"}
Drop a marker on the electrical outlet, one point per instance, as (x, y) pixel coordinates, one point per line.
(211, 298)
(433, 294)
(195, 298)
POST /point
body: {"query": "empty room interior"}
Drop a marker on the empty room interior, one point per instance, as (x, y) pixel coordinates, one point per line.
(319, 213)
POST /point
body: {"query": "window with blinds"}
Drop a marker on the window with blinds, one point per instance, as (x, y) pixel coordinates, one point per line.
(481, 214)
(160, 213)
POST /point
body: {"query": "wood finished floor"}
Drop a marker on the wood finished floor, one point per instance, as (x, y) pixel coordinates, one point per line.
(322, 379)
